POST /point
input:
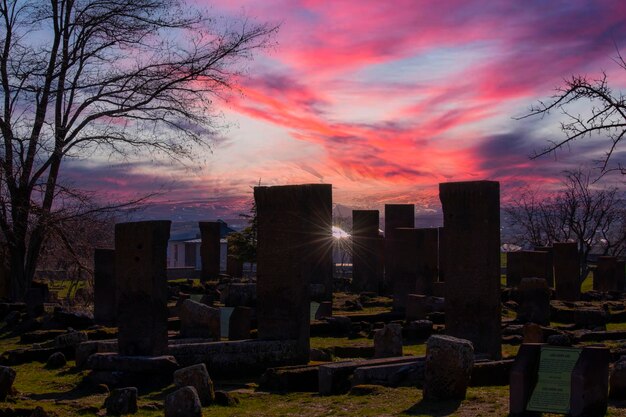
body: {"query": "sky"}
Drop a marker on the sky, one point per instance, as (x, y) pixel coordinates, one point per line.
(385, 100)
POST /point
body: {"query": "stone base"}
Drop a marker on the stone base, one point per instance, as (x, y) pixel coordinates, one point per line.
(159, 365)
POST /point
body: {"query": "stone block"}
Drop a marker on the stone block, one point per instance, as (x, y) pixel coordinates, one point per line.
(121, 401)
(388, 341)
(198, 377)
(198, 320)
(183, 402)
(449, 363)
(534, 306)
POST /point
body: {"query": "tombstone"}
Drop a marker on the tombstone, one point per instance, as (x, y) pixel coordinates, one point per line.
(605, 274)
(527, 264)
(550, 263)
(415, 270)
(210, 233)
(234, 267)
(534, 306)
(104, 286)
(388, 341)
(198, 320)
(141, 287)
(294, 233)
(35, 298)
(448, 367)
(620, 274)
(240, 323)
(471, 217)
(566, 271)
(367, 266)
(396, 215)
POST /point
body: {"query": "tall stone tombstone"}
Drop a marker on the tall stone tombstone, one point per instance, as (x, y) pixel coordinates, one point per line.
(415, 269)
(514, 267)
(529, 264)
(210, 249)
(550, 263)
(294, 233)
(471, 217)
(396, 215)
(441, 255)
(620, 277)
(104, 286)
(141, 287)
(605, 275)
(566, 271)
(367, 267)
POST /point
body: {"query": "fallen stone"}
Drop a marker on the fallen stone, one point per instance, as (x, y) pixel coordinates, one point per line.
(366, 389)
(225, 399)
(160, 365)
(491, 373)
(56, 360)
(183, 402)
(7, 376)
(86, 349)
(449, 363)
(70, 339)
(76, 320)
(388, 341)
(39, 336)
(121, 401)
(196, 376)
(301, 378)
(391, 375)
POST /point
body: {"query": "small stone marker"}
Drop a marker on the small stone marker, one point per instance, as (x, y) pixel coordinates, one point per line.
(183, 402)
(534, 301)
(196, 376)
(121, 401)
(388, 341)
(605, 275)
(7, 376)
(617, 382)
(449, 363)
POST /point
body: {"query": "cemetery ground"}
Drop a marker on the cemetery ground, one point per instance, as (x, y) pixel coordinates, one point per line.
(66, 391)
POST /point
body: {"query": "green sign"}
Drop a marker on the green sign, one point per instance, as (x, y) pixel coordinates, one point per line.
(552, 392)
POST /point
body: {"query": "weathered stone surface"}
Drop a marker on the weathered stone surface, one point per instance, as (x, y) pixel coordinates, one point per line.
(183, 402)
(334, 378)
(527, 264)
(534, 306)
(7, 376)
(388, 341)
(294, 242)
(210, 249)
(566, 271)
(532, 333)
(590, 383)
(56, 360)
(523, 377)
(550, 263)
(198, 377)
(605, 275)
(471, 217)
(198, 320)
(582, 314)
(419, 306)
(302, 378)
(236, 358)
(225, 399)
(73, 319)
(392, 375)
(240, 323)
(86, 349)
(449, 363)
(121, 401)
(104, 287)
(396, 215)
(617, 380)
(367, 259)
(70, 339)
(141, 286)
(415, 267)
(160, 365)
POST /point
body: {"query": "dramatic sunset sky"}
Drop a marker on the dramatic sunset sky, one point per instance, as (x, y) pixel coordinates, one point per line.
(385, 99)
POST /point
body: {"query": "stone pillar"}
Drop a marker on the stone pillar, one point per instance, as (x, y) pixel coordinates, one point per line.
(234, 267)
(141, 287)
(620, 277)
(240, 323)
(5, 272)
(528, 264)
(367, 265)
(550, 261)
(396, 215)
(104, 286)
(294, 234)
(471, 217)
(441, 255)
(605, 275)
(514, 262)
(415, 268)
(210, 249)
(566, 271)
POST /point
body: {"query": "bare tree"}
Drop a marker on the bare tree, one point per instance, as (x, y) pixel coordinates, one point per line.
(606, 115)
(85, 77)
(593, 217)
